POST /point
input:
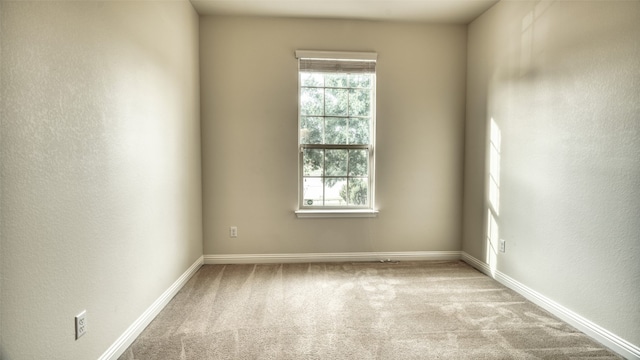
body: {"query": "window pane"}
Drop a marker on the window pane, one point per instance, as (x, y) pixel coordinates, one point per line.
(360, 80)
(312, 191)
(358, 162)
(336, 129)
(358, 191)
(359, 102)
(336, 110)
(311, 129)
(336, 101)
(336, 80)
(333, 192)
(312, 162)
(311, 79)
(311, 101)
(358, 131)
(336, 162)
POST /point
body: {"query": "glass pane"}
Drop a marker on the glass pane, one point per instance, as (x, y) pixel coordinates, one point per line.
(358, 191)
(358, 131)
(359, 102)
(312, 162)
(336, 101)
(311, 79)
(336, 131)
(335, 80)
(336, 162)
(312, 191)
(358, 162)
(311, 129)
(333, 191)
(311, 101)
(360, 80)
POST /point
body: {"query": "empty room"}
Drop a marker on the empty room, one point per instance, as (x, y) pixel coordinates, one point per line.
(309, 179)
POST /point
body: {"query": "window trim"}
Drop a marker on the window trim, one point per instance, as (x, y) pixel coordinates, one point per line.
(338, 211)
(336, 55)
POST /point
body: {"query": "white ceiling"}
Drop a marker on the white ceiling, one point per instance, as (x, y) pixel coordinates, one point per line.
(439, 11)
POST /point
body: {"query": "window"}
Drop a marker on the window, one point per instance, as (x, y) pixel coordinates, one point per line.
(336, 127)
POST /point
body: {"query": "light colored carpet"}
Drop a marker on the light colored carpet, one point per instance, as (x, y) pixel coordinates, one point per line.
(406, 310)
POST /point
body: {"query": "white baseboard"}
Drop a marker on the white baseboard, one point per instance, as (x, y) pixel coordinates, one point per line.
(127, 338)
(598, 333)
(479, 265)
(330, 257)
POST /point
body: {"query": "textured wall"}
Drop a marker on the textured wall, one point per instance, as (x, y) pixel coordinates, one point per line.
(249, 125)
(1, 187)
(561, 80)
(100, 171)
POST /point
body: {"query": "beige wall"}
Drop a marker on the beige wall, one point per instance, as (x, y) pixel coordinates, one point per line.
(100, 146)
(561, 80)
(249, 124)
(1, 181)
(101, 199)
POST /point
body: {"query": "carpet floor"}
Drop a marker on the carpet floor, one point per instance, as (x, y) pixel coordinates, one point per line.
(405, 310)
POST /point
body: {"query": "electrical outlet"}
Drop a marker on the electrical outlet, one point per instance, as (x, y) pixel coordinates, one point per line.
(81, 324)
(503, 245)
(233, 231)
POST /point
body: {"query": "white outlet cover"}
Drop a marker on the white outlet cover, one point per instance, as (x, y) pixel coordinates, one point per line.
(81, 324)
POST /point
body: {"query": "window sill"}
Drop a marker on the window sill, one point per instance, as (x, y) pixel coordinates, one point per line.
(351, 213)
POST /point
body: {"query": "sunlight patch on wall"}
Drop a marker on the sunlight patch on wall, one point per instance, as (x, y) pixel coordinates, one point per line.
(494, 167)
(493, 234)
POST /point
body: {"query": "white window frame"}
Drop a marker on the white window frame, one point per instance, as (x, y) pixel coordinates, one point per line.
(338, 211)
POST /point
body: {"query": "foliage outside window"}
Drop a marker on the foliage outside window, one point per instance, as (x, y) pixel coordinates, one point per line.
(336, 132)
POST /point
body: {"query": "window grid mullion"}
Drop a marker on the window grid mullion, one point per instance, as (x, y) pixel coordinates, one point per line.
(348, 177)
(348, 113)
(335, 146)
(324, 140)
(324, 117)
(324, 176)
